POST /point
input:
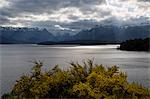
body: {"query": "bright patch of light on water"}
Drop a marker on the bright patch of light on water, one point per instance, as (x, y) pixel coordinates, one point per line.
(97, 47)
(84, 47)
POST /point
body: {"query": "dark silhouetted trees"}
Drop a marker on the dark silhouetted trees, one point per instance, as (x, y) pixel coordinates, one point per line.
(136, 45)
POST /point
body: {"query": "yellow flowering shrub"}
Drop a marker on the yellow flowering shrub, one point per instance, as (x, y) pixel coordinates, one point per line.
(90, 81)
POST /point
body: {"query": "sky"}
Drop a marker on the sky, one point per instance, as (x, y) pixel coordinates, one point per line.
(72, 15)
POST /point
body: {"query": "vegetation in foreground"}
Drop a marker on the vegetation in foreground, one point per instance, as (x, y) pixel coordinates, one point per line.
(87, 81)
(136, 45)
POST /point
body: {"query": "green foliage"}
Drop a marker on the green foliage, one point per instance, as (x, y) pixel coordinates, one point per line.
(87, 81)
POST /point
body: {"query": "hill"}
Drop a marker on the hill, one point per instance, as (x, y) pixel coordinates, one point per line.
(136, 45)
(113, 33)
(10, 35)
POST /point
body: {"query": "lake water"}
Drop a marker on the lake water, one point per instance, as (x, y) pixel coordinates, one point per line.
(15, 60)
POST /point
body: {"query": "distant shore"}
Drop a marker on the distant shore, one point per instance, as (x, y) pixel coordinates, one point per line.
(136, 45)
(78, 42)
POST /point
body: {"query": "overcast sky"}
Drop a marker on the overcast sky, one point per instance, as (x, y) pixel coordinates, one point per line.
(72, 15)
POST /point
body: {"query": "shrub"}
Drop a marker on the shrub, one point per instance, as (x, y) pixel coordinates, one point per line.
(87, 81)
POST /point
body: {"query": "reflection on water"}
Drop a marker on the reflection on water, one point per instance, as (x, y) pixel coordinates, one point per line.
(16, 60)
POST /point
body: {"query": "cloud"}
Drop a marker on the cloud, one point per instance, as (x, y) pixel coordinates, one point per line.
(72, 14)
(63, 28)
(4, 3)
(4, 20)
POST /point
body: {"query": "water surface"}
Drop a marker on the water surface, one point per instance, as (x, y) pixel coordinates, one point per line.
(15, 60)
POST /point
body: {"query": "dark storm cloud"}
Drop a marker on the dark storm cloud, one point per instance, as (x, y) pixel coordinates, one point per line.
(144, 0)
(19, 8)
(4, 20)
(85, 13)
(138, 0)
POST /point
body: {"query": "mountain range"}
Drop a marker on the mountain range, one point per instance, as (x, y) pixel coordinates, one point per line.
(113, 33)
(12, 35)
(97, 34)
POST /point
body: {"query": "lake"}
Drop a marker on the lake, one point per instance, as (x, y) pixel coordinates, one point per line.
(16, 60)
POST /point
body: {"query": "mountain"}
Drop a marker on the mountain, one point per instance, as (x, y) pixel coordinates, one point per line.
(100, 34)
(113, 34)
(134, 32)
(63, 37)
(24, 35)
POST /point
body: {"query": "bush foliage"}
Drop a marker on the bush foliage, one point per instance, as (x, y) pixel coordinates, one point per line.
(87, 81)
